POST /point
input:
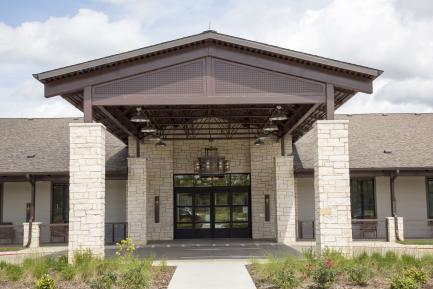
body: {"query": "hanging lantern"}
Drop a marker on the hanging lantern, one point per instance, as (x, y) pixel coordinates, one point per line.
(211, 163)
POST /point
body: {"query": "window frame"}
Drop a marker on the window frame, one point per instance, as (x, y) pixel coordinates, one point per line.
(66, 218)
(428, 195)
(373, 179)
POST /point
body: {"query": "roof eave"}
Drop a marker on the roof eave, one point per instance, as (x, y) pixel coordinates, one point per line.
(207, 35)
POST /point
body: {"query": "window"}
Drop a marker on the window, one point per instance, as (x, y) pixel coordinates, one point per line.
(362, 198)
(60, 203)
(430, 198)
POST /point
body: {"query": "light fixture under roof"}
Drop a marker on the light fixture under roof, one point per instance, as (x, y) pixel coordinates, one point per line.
(139, 116)
(278, 114)
(270, 127)
(160, 143)
(259, 142)
(148, 128)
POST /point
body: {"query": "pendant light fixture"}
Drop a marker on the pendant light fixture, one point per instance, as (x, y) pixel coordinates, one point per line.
(148, 128)
(278, 114)
(270, 127)
(160, 143)
(139, 116)
(259, 142)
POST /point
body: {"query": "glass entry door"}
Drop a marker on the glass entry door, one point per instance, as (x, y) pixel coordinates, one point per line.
(212, 209)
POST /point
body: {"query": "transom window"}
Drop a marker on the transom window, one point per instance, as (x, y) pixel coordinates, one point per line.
(362, 198)
(430, 198)
(60, 203)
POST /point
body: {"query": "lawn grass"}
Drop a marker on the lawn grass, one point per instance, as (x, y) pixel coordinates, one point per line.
(10, 248)
(417, 242)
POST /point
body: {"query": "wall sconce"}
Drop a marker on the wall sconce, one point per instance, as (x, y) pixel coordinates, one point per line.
(267, 209)
(156, 209)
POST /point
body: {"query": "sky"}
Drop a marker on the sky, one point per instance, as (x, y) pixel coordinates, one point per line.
(392, 35)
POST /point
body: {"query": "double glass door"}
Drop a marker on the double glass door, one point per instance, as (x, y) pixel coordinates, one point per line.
(212, 212)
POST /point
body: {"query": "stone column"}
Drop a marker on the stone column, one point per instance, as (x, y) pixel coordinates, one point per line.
(285, 200)
(332, 186)
(390, 229)
(400, 228)
(136, 200)
(36, 233)
(87, 189)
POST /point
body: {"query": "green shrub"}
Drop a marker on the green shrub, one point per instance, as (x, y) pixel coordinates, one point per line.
(68, 273)
(105, 281)
(285, 278)
(45, 282)
(359, 274)
(324, 274)
(83, 257)
(125, 248)
(403, 282)
(419, 275)
(37, 267)
(13, 272)
(137, 277)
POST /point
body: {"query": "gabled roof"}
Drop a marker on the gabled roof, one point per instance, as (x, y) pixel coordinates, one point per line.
(380, 142)
(41, 145)
(209, 35)
(376, 142)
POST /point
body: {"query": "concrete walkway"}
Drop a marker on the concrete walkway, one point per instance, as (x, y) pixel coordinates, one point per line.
(211, 274)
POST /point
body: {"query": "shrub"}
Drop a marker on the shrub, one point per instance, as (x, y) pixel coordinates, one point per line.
(324, 274)
(418, 275)
(285, 278)
(359, 274)
(68, 273)
(105, 281)
(37, 267)
(45, 282)
(13, 272)
(125, 248)
(137, 276)
(403, 282)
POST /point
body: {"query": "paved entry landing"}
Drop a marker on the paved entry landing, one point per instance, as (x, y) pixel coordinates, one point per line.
(211, 249)
(216, 274)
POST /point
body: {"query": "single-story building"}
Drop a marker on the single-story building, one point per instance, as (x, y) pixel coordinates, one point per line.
(213, 136)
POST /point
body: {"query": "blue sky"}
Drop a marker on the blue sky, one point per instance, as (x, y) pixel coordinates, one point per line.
(393, 35)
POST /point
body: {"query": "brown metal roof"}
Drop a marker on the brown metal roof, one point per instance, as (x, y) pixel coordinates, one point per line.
(261, 48)
(41, 145)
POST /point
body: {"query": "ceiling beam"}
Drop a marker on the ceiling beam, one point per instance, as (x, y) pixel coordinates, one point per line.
(118, 119)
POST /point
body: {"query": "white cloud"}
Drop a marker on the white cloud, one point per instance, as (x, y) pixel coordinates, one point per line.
(38, 46)
(393, 35)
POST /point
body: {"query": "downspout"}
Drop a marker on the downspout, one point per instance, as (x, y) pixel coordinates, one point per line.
(31, 179)
(392, 178)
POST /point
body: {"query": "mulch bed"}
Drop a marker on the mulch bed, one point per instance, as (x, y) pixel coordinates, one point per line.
(160, 280)
(375, 283)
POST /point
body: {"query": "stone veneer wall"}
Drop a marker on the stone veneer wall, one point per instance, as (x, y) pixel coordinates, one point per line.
(186, 152)
(262, 183)
(136, 200)
(178, 157)
(332, 185)
(86, 188)
(285, 199)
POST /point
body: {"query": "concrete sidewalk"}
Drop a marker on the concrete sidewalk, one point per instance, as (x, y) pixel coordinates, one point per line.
(211, 274)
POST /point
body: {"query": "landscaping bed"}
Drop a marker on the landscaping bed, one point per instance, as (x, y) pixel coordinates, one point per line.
(123, 271)
(332, 270)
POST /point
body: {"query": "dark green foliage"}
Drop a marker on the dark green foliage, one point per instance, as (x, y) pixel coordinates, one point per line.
(324, 275)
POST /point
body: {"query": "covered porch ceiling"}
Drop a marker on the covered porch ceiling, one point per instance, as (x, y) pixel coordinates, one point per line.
(208, 86)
